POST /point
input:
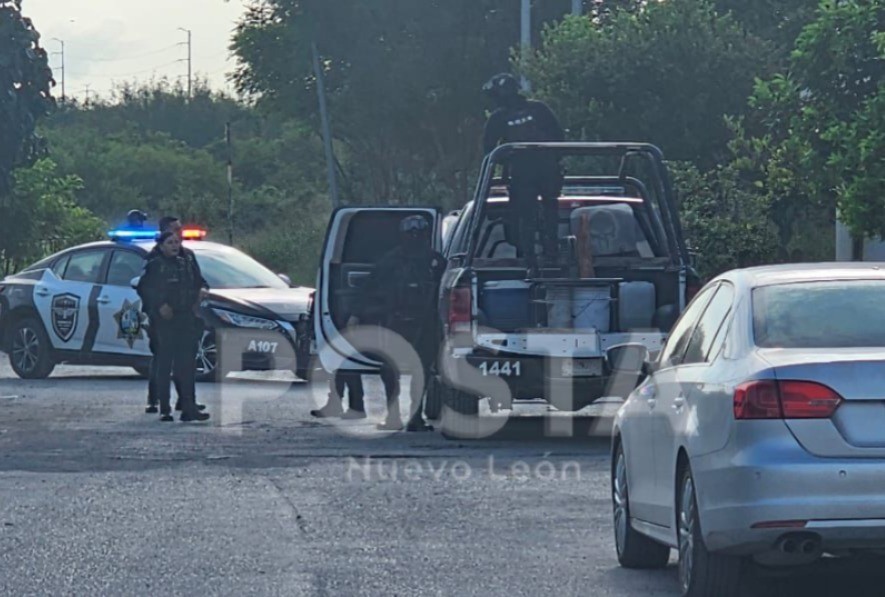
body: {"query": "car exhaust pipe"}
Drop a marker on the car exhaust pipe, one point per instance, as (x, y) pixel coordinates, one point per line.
(787, 545)
(804, 547)
(810, 547)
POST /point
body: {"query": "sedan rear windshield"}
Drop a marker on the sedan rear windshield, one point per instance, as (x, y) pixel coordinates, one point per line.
(834, 314)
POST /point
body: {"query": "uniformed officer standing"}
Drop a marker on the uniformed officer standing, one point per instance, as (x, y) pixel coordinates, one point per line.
(401, 296)
(520, 120)
(173, 224)
(170, 290)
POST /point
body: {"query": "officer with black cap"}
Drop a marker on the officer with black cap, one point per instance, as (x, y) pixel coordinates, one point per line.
(520, 120)
(400, 295)
(168, 224)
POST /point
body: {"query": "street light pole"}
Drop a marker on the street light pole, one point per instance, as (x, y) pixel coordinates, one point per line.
(60, 41)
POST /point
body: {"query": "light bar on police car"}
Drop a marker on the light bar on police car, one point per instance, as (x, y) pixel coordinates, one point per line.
(193, 234)
(133, 234)
(244, 321)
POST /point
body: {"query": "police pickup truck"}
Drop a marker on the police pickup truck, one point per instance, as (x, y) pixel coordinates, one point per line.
(569, 334)
(78, 306)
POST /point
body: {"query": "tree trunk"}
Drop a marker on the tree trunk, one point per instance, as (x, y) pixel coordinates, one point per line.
(857, 246)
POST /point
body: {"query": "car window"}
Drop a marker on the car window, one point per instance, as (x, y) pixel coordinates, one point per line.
(709, 325)
(59, 268)
(372, 234)
(681, 333)
(230, 268)
(125, 265)
(826, 314)
(85, 266)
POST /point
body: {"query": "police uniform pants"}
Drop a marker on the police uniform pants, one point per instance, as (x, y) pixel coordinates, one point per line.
(176, 351)
(353, 383)
(153, 379)
(523, 223)
(390, 377)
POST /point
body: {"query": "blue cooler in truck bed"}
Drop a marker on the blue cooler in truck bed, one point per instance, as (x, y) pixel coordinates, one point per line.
(506, 305)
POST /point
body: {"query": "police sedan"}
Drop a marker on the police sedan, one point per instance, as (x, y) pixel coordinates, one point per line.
(79, 307)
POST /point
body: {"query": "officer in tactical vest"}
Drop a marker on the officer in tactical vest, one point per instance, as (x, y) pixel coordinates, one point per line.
(171, 289)
(173, 224)
(517, 119)
(401, 296)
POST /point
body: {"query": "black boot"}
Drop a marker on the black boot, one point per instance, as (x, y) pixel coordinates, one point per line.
(151, 409)
(200, 407)
(194, 416)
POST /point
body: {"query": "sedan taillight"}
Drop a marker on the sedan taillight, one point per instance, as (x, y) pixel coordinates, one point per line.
(767, 399)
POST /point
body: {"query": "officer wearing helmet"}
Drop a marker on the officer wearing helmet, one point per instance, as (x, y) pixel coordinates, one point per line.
(400, 295)
(136, 218)
(520, 120)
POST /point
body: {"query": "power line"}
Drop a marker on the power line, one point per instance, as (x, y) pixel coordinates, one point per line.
(129, 74)
(133, 56)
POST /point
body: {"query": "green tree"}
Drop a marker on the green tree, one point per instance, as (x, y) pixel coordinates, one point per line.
(25, 83)
(668, 73)
(41, 215)
(818, 131)
(404, 80)
(727, 221)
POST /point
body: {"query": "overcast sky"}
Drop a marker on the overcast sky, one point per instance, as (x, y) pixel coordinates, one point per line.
(123, 40)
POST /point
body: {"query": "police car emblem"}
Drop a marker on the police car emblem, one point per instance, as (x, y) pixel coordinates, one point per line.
(130, 322)
(65, 315)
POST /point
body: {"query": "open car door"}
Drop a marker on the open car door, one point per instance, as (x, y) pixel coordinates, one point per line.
(356, 240)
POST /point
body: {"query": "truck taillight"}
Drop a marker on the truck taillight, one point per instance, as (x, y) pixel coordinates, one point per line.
(767, 399)
(460, 309)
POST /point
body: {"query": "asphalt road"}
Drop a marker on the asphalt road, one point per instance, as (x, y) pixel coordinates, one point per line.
(97, 498)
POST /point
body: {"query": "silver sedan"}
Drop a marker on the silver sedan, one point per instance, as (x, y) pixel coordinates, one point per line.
(759, 431)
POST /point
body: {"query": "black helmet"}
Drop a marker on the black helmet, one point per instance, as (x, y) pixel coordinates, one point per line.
(414, 233)
(414, 225)
(136, 218)
(502, 88)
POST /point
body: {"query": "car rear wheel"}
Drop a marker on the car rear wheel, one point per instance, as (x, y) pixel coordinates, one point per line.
(701, 573)
(30, 353)
(635, 550)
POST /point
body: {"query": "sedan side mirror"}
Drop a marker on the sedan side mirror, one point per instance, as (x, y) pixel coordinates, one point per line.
(628, 358)
(286, 279)
(650, 367)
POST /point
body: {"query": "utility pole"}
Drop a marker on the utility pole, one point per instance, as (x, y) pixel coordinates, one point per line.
(189, 60)
(327, 127)
(526, 37)
(230, 184)
(88, 91)
(60, 41)
(577, 7)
